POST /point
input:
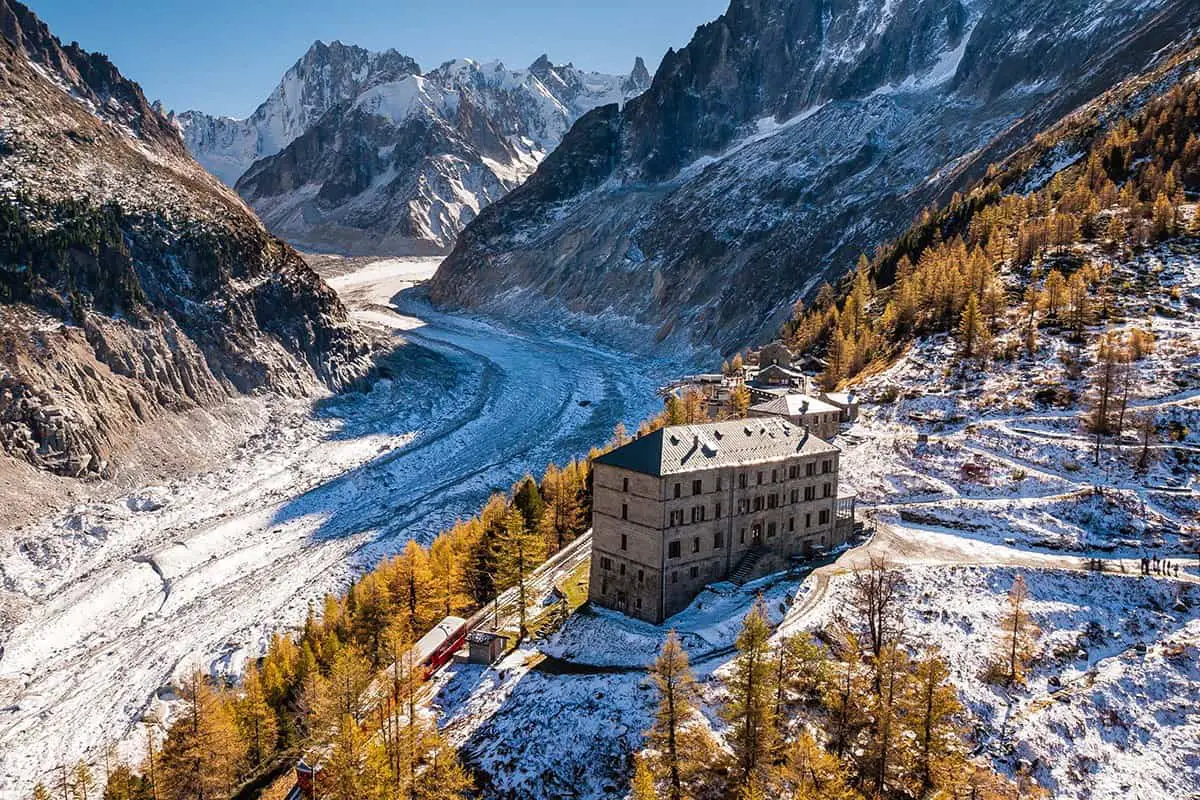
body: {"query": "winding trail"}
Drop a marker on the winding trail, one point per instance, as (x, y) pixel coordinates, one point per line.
(233, 556)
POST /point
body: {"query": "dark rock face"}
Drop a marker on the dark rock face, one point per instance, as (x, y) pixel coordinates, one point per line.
(788, 137)
(132, 283)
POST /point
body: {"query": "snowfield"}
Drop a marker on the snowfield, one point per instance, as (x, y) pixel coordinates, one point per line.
(107, 602)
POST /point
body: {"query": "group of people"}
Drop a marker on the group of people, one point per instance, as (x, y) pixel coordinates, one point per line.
(1153, 565)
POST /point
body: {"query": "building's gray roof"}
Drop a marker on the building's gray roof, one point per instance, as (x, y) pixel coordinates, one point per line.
(841, 398)
(689, 448)
(787, 372)
(793, 405)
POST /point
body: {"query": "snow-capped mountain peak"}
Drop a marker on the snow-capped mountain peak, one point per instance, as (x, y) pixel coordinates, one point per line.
(326, 75)
(362, 152)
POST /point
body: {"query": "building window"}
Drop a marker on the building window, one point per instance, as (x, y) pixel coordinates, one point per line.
(606, 564)
(695, 544)
(826, 465)
(823, 517)
(810, 492)
(742, 537)
(674, 577)
(697, 487)
(637, 603)
(695, 572)
(810, 469)
(795, 495)
(772, 500)
(625, 484)
(673, 549)
(774, 476)
(604, 586)
(808, 520)
(621, 568)
(718, 540)
(770, 529)
(641, 575)
(698, 514)
(624, 510)
(717, 511)
(743, 506)
(676, 517)
(793, 472)
(720, 483)
(791, 524)
(758, 504)
(760, 478)
(827, 490)
(624, 541)
(742, 481)
(677, 489)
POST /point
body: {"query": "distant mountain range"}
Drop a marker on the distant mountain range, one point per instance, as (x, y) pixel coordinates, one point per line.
(363, 153)
(786, 139)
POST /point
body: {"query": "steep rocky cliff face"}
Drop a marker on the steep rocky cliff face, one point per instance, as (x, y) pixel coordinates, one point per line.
(399, 166)
(132, 283)
(325, 76)
(785, 139)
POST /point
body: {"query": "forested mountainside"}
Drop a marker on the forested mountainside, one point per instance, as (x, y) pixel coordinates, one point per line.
(132, 283)
(360, 152)
(786, 138)
(1041, 233)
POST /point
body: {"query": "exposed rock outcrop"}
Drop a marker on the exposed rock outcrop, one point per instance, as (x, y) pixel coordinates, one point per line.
(132, 283)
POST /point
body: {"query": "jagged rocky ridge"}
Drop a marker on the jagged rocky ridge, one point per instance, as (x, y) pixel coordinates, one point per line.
(359, 152)
(788, 137)
(328, 74)
(132, 283)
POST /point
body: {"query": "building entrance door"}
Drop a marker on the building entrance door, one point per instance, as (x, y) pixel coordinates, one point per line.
(756, 534)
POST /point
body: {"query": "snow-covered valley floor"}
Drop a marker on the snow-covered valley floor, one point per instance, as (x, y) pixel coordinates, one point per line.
(119, 597)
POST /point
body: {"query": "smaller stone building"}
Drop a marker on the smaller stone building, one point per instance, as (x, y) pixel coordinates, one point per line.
(847, 402)
(776, 375)
(821, 418)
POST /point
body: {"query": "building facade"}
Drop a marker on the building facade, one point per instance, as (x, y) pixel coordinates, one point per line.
(821, 418)
(691, 505)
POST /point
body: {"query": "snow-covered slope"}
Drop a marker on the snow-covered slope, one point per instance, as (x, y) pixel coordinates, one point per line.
(326, 75)
(406, 164)
(788, 137)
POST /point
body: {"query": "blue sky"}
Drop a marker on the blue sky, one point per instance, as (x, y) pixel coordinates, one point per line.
(225, 56)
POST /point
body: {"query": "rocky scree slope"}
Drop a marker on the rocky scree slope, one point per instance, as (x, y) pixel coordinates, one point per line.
(788, 137)
(132, 283)
(404, 166)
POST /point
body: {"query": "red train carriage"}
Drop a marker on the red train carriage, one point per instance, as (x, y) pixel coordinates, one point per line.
(441, 643)
(432, 652)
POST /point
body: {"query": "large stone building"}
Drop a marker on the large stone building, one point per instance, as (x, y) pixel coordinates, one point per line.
(691, 505)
